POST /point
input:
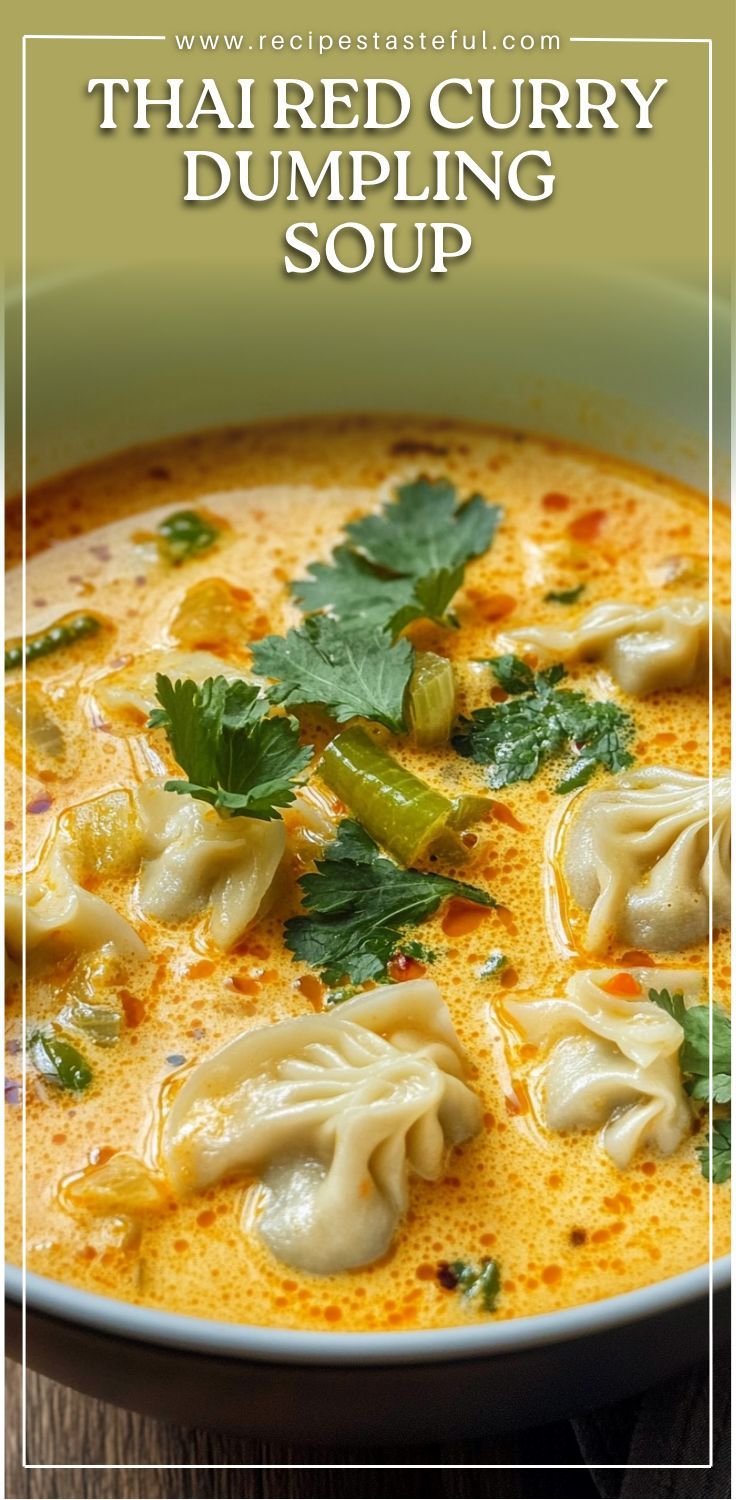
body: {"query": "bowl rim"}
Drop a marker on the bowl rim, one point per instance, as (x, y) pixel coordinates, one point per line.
(194, 1335)
(112, 1318)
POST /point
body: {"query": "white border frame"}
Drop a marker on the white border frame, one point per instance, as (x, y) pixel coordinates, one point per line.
(176, 1325)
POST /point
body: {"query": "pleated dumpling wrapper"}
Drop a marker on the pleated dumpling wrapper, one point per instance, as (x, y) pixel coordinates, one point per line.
(333, 1112)
(196, 861)
(645, 650)
(642, 858)
(97, 837)
(612, 1062)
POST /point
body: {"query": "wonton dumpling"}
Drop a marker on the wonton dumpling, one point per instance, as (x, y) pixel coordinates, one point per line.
(194, 859)
(332, 1111)
(132, 689)
(646, 650)
(639, 858)
(613, 1062)
(60, 913)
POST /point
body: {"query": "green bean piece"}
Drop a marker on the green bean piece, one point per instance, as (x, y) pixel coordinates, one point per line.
(398, 810)
(59, 1063)
(185, 533)
(431, 699)
(65, 633)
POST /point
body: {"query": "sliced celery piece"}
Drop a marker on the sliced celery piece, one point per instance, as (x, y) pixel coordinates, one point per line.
(431, 699)
(398, 810)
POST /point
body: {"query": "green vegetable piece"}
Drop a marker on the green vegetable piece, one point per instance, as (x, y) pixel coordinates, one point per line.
(431, 699)
(59, 1063)
(348, 675)
(703, 1080)
(516, 738)
(721, 1141)
(419, 951)
(65, 633)
(184, 534)
(358, 905)
(425, 529)
(236, 759)
(481, 1282)
(495, 962)
(397, 809)
(341, 994)
(565, 596)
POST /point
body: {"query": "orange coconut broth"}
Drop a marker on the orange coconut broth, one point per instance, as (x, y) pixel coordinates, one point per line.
(564, 1223)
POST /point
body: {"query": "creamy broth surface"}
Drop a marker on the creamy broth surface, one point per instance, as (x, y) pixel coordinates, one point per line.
(565, 1225)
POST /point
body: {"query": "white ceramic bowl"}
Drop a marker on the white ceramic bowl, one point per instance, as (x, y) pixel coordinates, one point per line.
(618, 364)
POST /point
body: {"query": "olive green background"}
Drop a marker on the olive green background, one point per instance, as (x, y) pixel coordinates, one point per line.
(632, 200)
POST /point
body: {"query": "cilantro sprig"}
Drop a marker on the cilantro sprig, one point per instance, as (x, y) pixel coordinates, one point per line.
(403, 564)
(704, 1079)
(358, 904)
(540, 720)
(695, 1021)
(721, 1146)
(235, 757)
(350, 676)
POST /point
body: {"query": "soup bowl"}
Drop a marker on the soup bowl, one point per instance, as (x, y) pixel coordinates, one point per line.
(618, 364)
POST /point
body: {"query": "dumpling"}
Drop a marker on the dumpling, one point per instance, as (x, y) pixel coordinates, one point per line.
(646, 650)
(640, 858)
(613, 1062)
(95, 837)
(193, 860)
(332, 1112)
(131, 690)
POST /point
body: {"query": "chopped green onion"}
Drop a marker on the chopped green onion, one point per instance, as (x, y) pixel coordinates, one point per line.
(65, 633)
(59, 1063)
(431, 699)
(398, 810)
(342, 993)
(184, 534)
(495, 962)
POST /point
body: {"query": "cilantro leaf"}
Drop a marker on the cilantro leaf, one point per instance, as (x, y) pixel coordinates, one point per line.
(185, 533)
(512, 674)
(516, 738)
(695, 1021)
(425, 529)
(403, 564)
(362, 598)
(351, 589)
(565, 596)
(349, 675)
(358, 904)
(481, 1282)
(721, 1143)
(236, 759)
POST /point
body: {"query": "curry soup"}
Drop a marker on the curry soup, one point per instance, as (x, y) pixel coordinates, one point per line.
(135, 980)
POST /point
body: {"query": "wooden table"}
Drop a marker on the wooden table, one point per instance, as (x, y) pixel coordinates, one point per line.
(64, 1428)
